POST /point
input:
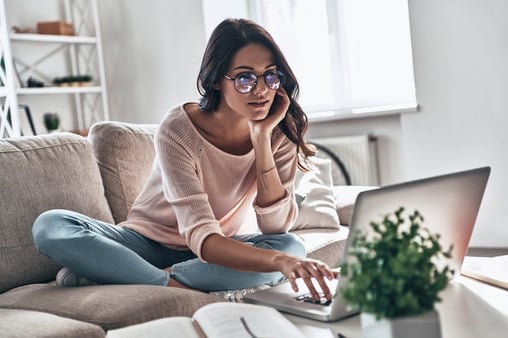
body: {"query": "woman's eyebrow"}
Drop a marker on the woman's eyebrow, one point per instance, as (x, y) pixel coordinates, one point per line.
(252, 68)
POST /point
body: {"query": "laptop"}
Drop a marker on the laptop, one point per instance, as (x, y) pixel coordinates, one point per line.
(449, 204)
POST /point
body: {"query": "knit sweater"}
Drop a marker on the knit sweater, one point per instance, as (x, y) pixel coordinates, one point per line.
(195, 189)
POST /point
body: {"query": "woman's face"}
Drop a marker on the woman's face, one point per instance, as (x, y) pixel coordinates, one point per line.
(255, 105)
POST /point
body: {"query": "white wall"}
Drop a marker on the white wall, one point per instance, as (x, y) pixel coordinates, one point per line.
(153, 50)
(461, 69)
(152, 53)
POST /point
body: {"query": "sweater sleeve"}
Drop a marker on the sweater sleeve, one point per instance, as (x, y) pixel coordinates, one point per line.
(182, 187)
(280, 216)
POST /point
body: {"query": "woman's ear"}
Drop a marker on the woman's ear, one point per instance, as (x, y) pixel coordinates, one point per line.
(216, 86)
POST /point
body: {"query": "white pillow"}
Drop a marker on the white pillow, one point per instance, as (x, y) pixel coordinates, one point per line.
(315, 197)
(345, 198)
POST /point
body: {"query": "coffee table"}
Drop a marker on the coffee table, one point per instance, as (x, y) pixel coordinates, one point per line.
(470, 308)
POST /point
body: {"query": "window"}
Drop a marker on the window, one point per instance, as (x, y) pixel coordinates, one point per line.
(350, 56)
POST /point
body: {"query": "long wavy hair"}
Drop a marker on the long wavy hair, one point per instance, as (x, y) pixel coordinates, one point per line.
(229, 37)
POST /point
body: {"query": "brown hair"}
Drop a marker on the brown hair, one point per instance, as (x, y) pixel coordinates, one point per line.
(229, 37)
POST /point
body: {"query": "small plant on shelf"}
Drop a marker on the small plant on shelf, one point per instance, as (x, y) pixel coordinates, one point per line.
(392, 274)
(51, 121)
(73, 80)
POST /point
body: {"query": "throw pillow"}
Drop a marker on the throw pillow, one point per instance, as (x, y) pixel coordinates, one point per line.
(314, 193)
(345, 198)
(125, 153)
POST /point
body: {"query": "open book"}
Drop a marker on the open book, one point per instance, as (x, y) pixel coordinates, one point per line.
(492, 270)
(224, 320)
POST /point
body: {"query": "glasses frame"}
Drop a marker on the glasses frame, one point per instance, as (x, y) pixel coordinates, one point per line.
(280, 76)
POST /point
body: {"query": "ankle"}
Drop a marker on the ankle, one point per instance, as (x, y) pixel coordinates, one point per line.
(175, 284)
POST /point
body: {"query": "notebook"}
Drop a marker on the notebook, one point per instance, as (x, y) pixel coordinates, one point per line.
(450, 205)
(492, 270)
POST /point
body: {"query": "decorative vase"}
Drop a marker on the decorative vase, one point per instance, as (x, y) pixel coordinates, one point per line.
(425, 325)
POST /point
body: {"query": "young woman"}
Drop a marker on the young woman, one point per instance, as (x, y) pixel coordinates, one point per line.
(216, 209)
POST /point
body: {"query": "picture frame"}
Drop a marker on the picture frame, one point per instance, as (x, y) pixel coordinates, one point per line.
(26, 123)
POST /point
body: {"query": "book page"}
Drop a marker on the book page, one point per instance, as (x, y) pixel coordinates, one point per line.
(182, 327)
(239, 320)
(316, 331)
(493, 270)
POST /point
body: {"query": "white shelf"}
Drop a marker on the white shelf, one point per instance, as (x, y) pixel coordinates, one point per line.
(58, 90)
(40, 55)
(53, 38)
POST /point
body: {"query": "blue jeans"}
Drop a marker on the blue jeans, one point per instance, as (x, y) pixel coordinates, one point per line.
(110, 254)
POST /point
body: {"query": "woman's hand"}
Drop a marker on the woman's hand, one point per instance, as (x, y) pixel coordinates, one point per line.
(277, 113)
(236, 255)
(293, 267)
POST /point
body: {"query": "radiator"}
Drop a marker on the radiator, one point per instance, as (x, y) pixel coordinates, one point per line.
(358, 153)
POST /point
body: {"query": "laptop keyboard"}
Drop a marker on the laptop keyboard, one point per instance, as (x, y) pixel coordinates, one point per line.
(307, 298)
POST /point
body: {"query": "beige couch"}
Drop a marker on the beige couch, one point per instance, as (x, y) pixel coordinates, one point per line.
(99, 176)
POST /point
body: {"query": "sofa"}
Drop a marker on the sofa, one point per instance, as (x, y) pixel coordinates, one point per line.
(100, 176)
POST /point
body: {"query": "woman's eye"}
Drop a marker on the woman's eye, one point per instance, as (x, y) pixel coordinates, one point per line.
(271, 76)
(245, 77)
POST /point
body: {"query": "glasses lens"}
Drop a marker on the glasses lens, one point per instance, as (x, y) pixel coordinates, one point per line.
(273, 79)
(244, 82)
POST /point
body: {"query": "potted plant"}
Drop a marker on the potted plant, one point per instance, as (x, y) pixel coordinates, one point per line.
(51, 122)
(73, 80)
(393, 279)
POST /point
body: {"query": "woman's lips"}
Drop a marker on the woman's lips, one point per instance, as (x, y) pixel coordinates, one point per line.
(259, 104)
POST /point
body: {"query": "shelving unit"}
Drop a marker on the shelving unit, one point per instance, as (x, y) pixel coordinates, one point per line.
(9, 123)
(81, 54)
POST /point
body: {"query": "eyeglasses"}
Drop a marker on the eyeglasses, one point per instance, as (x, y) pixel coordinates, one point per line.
(246, 82)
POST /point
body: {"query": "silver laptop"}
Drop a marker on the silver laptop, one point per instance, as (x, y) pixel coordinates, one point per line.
(449, 204)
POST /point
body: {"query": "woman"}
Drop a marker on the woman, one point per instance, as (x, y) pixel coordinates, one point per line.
(215, 211)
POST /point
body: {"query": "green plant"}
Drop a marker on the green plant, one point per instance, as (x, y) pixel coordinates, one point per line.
(72, 79)
(393, 274)
(51, 121)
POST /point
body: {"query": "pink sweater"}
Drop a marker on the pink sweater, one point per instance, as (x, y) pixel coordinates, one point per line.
(196, 189)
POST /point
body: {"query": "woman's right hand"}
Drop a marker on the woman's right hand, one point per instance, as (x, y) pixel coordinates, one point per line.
(233, 254)
(294, 267)
(277, 113)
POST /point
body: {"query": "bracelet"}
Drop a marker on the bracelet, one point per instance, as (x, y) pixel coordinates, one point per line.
(266, 172)
(261, 176)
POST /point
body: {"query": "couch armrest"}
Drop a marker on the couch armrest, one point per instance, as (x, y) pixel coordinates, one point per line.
(345, 198)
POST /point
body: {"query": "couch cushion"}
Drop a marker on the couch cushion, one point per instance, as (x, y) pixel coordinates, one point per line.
(109, 306)
(326, 245)
(29, 324)
(36, 174)
(125, 155)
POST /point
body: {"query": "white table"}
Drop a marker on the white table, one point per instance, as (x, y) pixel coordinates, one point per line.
(470, 309)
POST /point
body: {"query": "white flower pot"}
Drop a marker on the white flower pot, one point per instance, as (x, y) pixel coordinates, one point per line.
(426, 325)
